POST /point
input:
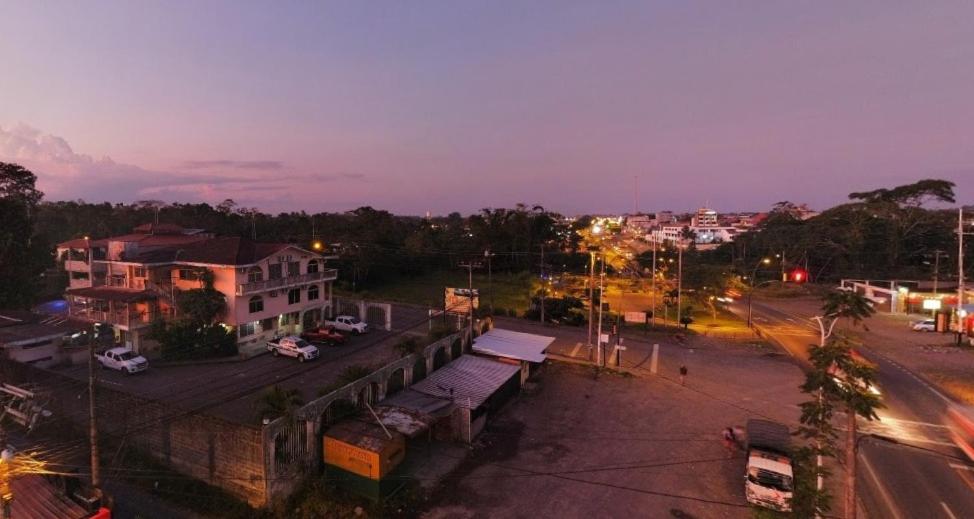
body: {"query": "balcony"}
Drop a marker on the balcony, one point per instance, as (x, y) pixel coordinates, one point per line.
(76, 266)
(244, 289)
(116, 317)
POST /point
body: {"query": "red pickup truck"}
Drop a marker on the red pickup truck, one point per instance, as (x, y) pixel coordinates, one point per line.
(326, 335)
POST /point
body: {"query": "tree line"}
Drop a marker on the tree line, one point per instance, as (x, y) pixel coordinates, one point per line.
(880, 234)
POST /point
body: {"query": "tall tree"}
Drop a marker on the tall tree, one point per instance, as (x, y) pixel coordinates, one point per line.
(22, 258)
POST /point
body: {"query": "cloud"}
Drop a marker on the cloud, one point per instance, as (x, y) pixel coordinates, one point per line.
(64, 174)
(235, 164)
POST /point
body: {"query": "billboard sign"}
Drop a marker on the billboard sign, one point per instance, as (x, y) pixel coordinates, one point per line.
(457, 300)
(635, 317)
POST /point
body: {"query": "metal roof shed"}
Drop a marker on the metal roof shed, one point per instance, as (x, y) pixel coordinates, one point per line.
(472, 380)
(512, 345)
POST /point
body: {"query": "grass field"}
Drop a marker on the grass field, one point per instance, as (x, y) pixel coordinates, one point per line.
(510, 290)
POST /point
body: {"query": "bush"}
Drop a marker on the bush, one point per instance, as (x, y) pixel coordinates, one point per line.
(439, 331)
(511, 312)
(500, 311)
(409, 345)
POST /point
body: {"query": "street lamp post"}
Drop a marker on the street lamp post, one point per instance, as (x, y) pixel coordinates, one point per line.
(750, 293)
(599, 354)
(654, 286)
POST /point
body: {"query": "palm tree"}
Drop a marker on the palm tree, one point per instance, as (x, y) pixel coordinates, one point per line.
(277, 402)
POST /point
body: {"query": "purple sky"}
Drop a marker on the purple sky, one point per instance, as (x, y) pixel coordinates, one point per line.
(455, 106)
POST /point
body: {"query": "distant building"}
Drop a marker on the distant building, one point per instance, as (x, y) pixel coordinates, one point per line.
(129, 281)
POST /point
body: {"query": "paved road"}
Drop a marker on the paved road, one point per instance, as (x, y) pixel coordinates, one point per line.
(898, 481)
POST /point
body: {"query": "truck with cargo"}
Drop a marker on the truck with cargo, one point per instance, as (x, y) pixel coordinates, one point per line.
(768, 478)
(292, 346)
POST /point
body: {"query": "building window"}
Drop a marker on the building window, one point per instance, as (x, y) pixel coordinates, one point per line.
(267, 324)
(293, 268)
(312, 266)
(248, 329)
(187, 274)
(274, 271)
(256, 304)
(138, 272)
(293, 296)
(312, 292)
(79, 275)
(254, 275)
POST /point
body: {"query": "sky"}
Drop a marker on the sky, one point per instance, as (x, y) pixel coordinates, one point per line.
(581, 107)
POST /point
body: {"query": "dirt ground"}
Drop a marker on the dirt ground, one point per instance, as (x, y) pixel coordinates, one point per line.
(578, 444)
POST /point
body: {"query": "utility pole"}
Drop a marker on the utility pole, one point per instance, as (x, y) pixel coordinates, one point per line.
(92, 421)
(470, 266)
(960, 271)
(490, 280)
(679, 284)
(783, 276)
(542, 283)
(601, 305)
(591, 298)
(936, 269)
(654, 286)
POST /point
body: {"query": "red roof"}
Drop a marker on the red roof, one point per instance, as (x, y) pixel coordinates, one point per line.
(228, 251)
(77, 243)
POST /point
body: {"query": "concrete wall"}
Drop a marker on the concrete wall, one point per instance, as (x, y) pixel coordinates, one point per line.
(222, 453)
(310, 421)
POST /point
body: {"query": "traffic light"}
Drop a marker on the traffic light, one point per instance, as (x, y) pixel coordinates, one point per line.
(799, 276)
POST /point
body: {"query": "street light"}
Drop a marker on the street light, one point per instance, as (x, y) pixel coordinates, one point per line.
(750, 293)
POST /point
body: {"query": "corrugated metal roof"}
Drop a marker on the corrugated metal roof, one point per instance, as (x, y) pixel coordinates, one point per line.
(513, 345)
(35, 498)
(472, 379)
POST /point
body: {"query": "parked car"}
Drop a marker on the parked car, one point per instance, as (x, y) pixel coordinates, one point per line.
(122, 359)
(926, 325)
(348, 323)
(324, 334)
(292, 346)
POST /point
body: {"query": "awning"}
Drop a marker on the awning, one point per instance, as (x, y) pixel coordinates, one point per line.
(513, 345)
(469, 380)
(125, 295)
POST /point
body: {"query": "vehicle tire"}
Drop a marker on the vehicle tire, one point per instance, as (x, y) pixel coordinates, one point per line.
(274, 352)
(356, 332)
(300, 358)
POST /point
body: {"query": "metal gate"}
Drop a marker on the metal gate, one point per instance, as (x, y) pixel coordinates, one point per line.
(375, 316)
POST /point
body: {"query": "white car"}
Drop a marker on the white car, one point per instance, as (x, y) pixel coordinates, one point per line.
(926, 325)
(293, 346)
(348, 323)
(122, 359)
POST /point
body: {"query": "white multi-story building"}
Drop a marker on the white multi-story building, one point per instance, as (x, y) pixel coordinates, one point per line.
(130, 281)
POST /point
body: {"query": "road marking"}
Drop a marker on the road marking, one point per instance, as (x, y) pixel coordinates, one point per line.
(574, 352)
(958, 466)
(880, 487)
(947, 509)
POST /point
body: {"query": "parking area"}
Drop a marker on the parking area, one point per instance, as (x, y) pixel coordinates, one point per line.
(579, 445)
(230, 389)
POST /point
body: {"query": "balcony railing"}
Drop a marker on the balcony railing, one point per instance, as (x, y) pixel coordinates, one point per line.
(288, 282)
(76, 266)
(121, 318)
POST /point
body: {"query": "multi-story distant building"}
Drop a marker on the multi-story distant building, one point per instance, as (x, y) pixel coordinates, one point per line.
(131, 280)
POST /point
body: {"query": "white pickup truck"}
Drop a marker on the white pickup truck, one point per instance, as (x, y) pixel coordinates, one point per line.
(122, 359)
(292, 347)
(348, 323)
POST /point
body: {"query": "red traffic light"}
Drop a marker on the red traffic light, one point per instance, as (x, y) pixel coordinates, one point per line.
(799, 276)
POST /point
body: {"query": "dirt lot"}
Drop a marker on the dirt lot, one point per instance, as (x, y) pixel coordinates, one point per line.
(579, 445)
